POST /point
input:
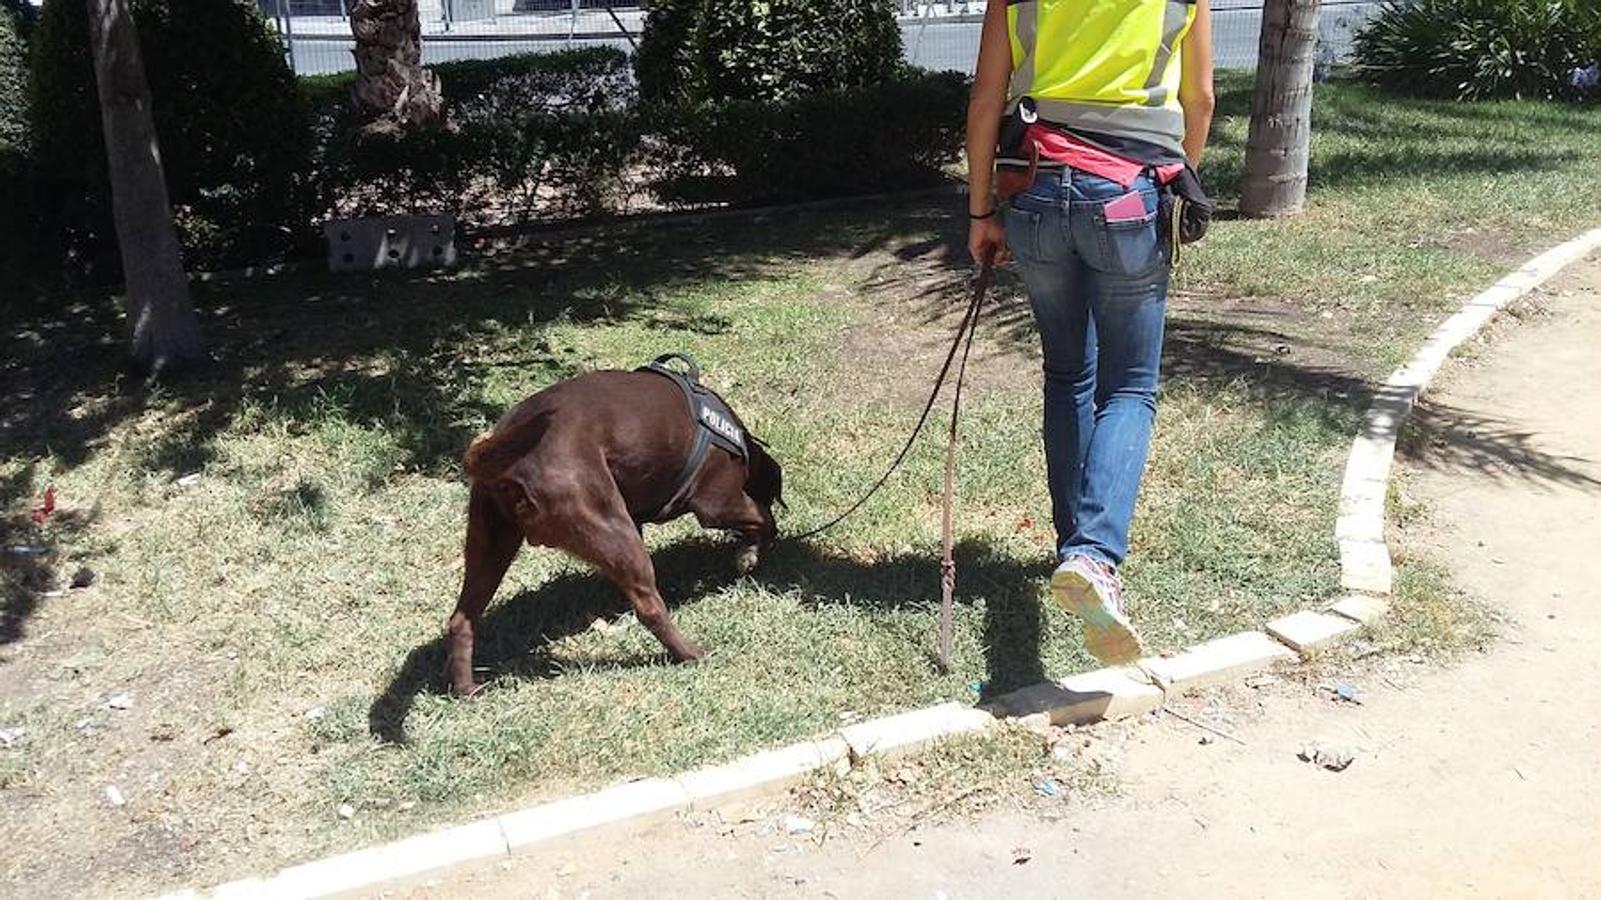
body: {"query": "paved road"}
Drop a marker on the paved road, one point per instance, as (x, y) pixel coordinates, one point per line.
(938, 42)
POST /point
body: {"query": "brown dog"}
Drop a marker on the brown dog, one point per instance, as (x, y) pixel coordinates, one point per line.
(581, 466)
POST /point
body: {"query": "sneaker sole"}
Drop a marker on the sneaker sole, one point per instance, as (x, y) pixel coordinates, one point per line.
(1108, 636)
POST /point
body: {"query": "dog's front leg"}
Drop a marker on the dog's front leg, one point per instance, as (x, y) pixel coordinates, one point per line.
(754, 531)
(611, 543)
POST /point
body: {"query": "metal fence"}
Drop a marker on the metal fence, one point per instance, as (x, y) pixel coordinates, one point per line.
(937, 35)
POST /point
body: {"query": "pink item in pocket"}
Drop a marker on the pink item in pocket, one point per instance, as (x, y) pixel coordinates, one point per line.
(1127, 208)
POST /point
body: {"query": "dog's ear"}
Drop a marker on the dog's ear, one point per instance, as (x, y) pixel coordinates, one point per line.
(764, 481)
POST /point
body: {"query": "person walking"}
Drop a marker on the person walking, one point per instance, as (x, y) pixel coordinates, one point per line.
(1082, 116)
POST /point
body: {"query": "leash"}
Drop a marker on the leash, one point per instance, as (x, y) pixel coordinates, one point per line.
(947, 565)
(963, 342)
(964, 334)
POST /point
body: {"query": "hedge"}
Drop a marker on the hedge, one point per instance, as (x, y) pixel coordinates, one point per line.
(1485, 49)
(562, 134)
(888, 136)
(16, 181)
(709, 51)
(540, 135)
(227, 114)
(530, 134)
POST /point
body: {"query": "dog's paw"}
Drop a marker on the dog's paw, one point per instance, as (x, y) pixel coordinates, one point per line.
(746, 558)
(468, 691)
(690, 654)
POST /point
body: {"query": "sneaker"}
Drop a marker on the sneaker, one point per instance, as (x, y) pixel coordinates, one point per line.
(1090, 589)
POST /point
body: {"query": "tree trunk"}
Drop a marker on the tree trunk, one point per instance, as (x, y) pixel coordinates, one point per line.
(1281, 111)
(166, 334)
(393, 91)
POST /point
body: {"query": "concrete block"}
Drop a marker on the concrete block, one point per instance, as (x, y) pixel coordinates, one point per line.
(762, 773)
(1365, 566)
(1362, 608)
(633, 801)
(1087, 697)
(1309, 630)
(1215, 662)
(913, 729)
(391, 242)
(350, 871)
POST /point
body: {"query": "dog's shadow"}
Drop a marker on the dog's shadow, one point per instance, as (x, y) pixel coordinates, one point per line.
(514, 635)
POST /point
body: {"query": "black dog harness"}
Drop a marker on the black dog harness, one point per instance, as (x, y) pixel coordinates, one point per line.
(715, 424)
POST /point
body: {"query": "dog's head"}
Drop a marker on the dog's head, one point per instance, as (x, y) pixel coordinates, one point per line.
(764, 481)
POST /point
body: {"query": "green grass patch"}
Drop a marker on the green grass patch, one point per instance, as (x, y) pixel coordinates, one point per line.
(277, 618)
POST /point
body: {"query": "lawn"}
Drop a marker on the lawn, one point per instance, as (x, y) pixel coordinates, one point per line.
(278, 541)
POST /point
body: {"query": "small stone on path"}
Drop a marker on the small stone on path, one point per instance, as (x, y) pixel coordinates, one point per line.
(1335, 759)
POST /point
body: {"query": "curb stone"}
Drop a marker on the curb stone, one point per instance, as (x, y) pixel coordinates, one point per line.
(1364, 609)
(1083, 698)
(1308, 631)
(1366, 569)
(914, 729)
(764, 772)
(1365, 563)
(1216, 661)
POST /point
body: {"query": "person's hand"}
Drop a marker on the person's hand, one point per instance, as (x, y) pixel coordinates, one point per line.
(986, 240)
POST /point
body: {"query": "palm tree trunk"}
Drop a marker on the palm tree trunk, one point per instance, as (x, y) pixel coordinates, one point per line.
(393, 90)
(166, 334)
(1277, 150)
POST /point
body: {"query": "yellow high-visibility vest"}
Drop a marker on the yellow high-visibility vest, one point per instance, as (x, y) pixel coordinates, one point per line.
(1104, 66)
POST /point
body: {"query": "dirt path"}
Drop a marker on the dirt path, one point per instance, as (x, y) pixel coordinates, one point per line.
(1481, 779)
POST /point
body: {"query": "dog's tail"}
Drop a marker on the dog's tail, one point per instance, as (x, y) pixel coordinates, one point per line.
(490, 455)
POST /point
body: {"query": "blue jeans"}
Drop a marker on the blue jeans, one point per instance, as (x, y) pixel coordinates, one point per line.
(1099, 293)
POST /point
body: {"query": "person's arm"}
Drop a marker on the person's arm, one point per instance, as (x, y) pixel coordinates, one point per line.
(1195, 85)
(985, 107)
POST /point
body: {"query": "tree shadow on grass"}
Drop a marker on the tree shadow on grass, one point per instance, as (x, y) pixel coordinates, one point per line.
(406, 351)
(408, 354)
(515, 634)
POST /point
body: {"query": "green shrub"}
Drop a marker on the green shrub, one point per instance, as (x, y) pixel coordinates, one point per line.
(16, 157)
(588, 77)
(233, 141)
(700, 51)
(549, 131)
(884, 137)
(1482, 49)
(14, 126)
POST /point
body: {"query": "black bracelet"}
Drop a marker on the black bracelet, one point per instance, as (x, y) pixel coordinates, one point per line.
(988, 215)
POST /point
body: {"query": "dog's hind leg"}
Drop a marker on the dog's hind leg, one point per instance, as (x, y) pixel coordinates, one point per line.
(492, 543)
(601, 533)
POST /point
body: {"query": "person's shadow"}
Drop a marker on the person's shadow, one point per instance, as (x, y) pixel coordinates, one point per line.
(515, 633)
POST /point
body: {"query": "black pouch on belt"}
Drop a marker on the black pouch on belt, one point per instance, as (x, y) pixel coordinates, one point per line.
(1017, 159)
(1194, 206)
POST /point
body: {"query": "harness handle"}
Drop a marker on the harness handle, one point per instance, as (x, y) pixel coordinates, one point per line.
(694, 368)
